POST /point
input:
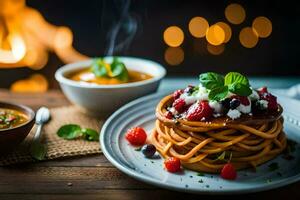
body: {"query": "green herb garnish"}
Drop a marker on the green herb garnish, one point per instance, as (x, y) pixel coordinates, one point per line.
(220, 87)
(116, 69)
(273, 166)
(74, 131)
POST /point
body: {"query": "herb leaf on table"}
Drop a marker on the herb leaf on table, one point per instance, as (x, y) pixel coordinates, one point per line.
(74, 131)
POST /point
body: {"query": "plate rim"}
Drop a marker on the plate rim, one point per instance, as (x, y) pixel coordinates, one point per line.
(141, 177)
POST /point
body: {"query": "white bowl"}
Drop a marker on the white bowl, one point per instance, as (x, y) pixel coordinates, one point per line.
(104, 99)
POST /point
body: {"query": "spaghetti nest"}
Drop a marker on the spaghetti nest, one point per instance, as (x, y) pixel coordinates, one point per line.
(207, 146)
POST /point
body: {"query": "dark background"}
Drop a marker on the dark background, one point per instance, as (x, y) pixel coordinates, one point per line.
(90, 21)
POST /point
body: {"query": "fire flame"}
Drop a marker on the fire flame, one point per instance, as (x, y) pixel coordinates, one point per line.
(26, 37)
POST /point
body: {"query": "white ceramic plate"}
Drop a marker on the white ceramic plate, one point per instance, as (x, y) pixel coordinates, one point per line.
(141, 112)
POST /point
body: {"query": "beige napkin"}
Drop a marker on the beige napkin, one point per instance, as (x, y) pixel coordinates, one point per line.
(58, 147)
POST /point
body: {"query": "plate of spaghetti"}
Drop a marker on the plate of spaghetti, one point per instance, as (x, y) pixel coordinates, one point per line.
(219, 137)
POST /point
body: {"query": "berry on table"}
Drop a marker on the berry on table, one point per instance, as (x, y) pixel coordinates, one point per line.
(228, 172)
(148, 150)
(172, 164)
(136, 136)
(199, 111)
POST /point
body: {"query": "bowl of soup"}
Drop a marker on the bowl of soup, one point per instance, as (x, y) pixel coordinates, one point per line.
(101, 86)
(16, 121)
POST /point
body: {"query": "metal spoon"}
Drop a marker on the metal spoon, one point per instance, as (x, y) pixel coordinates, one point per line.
(38, 150)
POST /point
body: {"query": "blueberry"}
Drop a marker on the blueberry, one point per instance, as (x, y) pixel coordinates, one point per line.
(189, 89)
(148, 150)
(234, 103)
(226, 103)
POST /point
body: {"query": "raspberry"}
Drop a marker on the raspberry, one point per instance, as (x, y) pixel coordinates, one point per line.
(179, 105)
(172, 164)
(243, 100)
(177, 94)
(199, 111)
(262, 90)
(168, 115)
(136, 136)
(228, 172)
(272, 101)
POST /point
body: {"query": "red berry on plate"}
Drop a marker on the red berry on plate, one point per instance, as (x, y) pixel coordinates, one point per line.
(228, 172)
(136, 136)
(199, 111)
(168, 115)
(177, 94)
(172, 164)
(262, 90)
(272, 101)
(179, 105)
(243, 100)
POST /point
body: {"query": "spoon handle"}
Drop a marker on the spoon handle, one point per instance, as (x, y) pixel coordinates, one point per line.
(38, 133)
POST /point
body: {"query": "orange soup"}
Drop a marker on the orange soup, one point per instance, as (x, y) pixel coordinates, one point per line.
(86, 75)
(10, 118)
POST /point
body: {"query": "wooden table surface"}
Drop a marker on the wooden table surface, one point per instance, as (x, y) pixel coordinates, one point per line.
(90, 177)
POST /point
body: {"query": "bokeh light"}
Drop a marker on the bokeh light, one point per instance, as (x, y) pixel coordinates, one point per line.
(173, 36)
(198, 27)
(215, 50)
(263, 26)
(215, 35)
(35, 83)
(248, 37)
(63, 38)
(235, 13)
(174, 55)
(227, 30)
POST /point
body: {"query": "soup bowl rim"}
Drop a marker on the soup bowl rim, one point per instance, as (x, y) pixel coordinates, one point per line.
(21, 108)
(60, 74)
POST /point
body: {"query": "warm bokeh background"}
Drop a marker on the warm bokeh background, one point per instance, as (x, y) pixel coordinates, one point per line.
(141, 34)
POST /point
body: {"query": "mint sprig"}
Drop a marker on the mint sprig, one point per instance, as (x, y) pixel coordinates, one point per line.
(74, 131)
(219, 87)
(116, 69)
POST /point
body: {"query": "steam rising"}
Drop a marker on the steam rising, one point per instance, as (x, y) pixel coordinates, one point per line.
(123, 31)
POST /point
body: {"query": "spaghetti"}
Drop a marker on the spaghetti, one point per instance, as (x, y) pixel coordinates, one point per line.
(207, 146)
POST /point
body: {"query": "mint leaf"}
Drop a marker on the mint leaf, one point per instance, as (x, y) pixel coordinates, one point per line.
(218, 93)
(119, 70)
(240, 89)
(90, 134)
(211, 80)
(235, 77)
(98, 68)
(69, 131)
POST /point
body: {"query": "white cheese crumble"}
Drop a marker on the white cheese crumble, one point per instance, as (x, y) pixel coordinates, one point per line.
(173, 111)
(244, 109)
(201, 95)
(254, 96)
(234, 114)
(216, 106)
(263, 103)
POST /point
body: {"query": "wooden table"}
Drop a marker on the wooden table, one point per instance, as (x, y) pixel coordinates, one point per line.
(90, 177)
